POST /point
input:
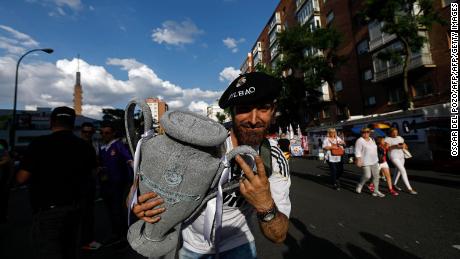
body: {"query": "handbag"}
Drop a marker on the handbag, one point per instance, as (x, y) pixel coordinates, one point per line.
(407, 154)
(337, 151)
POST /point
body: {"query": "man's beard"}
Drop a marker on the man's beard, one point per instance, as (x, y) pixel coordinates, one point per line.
(251, 136)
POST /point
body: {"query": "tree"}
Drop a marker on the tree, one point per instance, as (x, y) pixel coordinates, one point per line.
(221, 117)
(309, 58)
(117, 117)
(405, 19)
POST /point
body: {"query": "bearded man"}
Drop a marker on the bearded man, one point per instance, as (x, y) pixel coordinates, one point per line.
(252, 101)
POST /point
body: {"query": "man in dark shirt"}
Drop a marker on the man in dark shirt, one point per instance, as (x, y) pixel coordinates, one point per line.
(115, 177)
(58, 167)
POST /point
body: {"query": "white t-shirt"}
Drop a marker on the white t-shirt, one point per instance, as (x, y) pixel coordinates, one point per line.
(367, 151)
(236, 211)
(397, 152)
(329, 142)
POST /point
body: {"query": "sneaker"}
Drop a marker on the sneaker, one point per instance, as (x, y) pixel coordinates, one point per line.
(393, 192)
(378, 194)
(412, 191)
(371, 187)
(358, 188)
(397, 188)
(92, 246)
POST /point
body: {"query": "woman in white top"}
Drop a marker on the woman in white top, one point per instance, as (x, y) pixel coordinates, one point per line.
(367, 158)
(335, 162)
(396, 146)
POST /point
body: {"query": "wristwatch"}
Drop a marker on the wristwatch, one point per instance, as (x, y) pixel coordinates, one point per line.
(268, 215)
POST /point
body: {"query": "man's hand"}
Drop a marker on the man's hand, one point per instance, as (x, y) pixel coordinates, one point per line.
(255, 188)
(145, 210)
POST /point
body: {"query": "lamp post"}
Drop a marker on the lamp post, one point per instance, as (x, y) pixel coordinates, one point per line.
(13, 124)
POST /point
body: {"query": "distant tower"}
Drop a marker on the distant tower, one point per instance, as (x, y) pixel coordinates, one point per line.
(78, 92)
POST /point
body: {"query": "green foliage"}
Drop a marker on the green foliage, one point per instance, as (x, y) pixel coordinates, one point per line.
(221, 117)
(117, 117)
(304, 69)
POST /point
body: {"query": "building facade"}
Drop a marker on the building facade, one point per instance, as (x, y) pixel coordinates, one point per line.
(158, 107)
(364, 83)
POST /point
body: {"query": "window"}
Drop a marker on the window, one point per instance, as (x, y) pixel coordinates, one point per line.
(362, 47)
(329, 17)
(367, 75)
(423, 89)
(370, 101)
(338, 86)
(326, 113)
(395, 95)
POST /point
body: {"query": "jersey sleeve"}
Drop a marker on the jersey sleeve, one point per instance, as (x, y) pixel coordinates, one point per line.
(280, 181)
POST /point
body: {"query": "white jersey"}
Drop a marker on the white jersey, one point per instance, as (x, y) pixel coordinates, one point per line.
(396, 152)
(236, 229)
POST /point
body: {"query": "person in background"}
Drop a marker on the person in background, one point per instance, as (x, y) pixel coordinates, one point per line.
(87, 237)
(115, 176)
(335, 163)
(284, 144)
(382, 149)
(6, 172)
(367, 158)
(58, 167)
(396, 146)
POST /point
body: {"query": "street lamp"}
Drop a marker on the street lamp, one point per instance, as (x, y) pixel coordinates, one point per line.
(13, 124)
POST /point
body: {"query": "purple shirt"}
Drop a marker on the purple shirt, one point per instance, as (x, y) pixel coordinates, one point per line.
(114, 159)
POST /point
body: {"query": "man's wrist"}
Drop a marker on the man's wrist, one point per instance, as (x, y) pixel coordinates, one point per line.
(269, 214)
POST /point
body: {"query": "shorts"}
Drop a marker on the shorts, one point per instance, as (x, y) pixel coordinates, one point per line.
(383, 165)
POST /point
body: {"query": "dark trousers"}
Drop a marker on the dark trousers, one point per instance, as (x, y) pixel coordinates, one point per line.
(56, 233)
(114, 194)
(88, 216)
(336, 170)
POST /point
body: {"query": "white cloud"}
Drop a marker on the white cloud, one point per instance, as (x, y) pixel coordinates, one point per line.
(175, 33)
(14, 41)
(46, 84)
(91, 8)
(59, 7)
(229, 74)
(232, 43)
(198, 107)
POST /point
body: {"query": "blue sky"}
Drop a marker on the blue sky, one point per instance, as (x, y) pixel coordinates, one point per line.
(183, 51)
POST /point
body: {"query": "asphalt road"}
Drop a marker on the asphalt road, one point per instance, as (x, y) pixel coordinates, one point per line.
(324, 223)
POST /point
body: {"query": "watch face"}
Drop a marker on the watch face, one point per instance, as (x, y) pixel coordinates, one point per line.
(269, 216)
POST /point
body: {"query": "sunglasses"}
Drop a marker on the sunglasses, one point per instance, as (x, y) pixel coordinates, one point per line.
(366, 131)
(87, 131)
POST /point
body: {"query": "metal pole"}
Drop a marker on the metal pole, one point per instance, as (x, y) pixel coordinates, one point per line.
(13, 123)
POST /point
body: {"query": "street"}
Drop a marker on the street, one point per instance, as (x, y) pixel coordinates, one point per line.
(324, 223)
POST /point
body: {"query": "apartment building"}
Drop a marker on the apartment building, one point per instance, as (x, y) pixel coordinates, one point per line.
(364, 84)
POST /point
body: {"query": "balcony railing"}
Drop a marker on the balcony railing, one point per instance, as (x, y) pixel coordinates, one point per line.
(423, 59)
(307, 10)
(380, 41)
(275, 21)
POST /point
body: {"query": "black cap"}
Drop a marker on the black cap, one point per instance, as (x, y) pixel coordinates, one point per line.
(251, 88)
(63, 113)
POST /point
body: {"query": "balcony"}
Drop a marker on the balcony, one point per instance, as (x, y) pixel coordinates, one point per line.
(391, 70)
(324, 89)
(306, 10)
(377, 37)
(276, 19)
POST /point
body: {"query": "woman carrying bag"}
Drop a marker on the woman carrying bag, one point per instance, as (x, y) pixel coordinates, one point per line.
(398, 152)
(334, 147)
